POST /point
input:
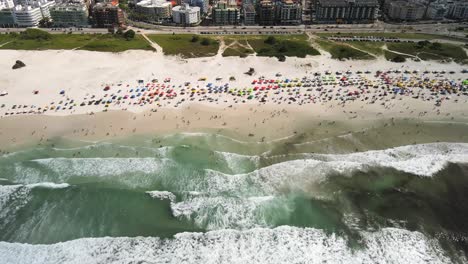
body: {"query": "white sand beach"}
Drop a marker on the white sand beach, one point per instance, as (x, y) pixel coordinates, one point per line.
(83, 75)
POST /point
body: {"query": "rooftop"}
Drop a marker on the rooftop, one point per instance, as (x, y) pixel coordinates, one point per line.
(347, 2)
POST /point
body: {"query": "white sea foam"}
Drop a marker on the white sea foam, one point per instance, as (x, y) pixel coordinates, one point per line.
(68, 167)
(237, 162)
(279, 245)
(162, 195)
(218, 212)
(12, 199)
(423, 159)
(49, 185)
(226, 201)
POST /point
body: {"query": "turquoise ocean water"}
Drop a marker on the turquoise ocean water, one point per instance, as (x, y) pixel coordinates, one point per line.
(383, 193)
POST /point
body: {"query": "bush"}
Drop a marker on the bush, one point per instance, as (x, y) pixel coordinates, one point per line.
(35, 34)
(281, 58)
(422, 44)
(436, 46)
(283, 49)
(399, 58)
(205, 42)
(129, 34)
(270, 40)
(194, 38)
(45, 22)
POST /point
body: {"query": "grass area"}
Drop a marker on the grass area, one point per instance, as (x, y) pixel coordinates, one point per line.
(391, 56)
(183, 45)
(114, 44)
(431, 51)
(374, 48)
(390, 35)
(291, 45)
(237, 50)
(98, 42)
(341, 51)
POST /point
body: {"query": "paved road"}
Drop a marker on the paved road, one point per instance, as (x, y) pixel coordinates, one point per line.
(440, 29)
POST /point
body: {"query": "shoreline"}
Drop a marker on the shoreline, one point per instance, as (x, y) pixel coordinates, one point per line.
(265, 123)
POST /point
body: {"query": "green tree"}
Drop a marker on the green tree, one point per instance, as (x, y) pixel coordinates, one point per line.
(436, 46)
(129, 34)
(399, 58)
(270, 40)
(422, 44)
(283, 49)
(194, 38)
(45, 22)
(205, 42)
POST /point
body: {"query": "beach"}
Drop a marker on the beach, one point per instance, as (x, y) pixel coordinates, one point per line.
(83, 75)
(141, 157)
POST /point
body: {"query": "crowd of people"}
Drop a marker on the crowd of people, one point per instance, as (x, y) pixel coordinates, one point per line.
(318, 87)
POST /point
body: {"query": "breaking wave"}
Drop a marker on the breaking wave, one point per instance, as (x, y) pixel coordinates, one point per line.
(279, 245)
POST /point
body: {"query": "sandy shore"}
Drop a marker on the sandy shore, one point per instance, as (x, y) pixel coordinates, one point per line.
(83, 74)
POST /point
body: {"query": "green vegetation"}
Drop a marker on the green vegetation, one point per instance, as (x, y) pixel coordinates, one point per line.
(342, 51)
(391, 56)
(184, 45)
(237, 50)
(281, 46)
(374, 48)
(35, 39)
(426, 50)
(116, 44)
(129, 34)
(389, 35)
(35, 34)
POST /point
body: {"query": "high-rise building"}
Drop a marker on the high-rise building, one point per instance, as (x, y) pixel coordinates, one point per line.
(249, 14)
(45, 6)
(458, 10)
(186, 15)
(408, 11)
(288, 12)
(70, 14)
(7, 17)
(27, 16)
(4, 4)
(155, 9)
(107, 15)
(436, 10)
(225, 14)
(202, 4)
(346, 11)
(266, 12)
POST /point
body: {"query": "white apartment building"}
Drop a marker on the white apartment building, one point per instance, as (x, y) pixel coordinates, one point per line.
(45, 6)
(27, 16)
(155, 9)
(186, 15)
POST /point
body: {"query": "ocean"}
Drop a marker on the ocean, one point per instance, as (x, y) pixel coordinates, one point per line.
(388, 191)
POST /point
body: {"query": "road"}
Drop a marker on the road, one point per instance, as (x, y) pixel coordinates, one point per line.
(437, 28)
